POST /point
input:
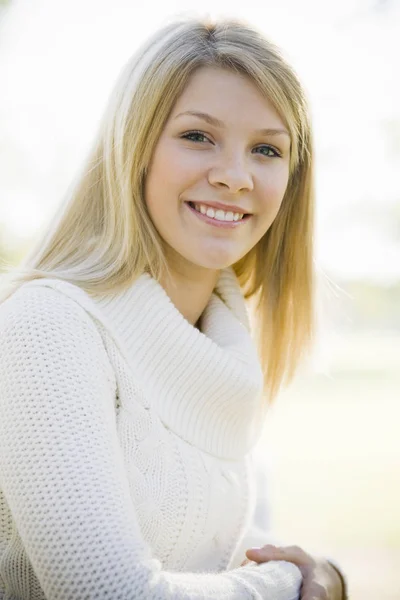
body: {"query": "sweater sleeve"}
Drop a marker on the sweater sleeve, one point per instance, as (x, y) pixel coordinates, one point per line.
(62, 469)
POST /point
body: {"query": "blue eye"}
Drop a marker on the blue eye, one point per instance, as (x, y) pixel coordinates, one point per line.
(190, 134)
(275, 152)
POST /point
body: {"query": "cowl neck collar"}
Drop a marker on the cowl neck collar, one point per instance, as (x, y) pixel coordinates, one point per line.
(206, 386)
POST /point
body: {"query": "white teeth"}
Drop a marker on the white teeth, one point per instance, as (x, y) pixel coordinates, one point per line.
(219, 215)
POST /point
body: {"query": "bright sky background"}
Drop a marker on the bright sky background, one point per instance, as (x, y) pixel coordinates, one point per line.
(58, 61)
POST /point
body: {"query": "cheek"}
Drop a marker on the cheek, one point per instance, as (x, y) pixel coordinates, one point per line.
(168, 177)
(175, 165)
(273, 190)
(157, 185)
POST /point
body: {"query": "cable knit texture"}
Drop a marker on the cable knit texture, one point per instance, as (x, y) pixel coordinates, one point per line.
(126, 438)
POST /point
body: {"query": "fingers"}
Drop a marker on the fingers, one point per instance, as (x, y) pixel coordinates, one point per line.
(314, 585)
(269, 552)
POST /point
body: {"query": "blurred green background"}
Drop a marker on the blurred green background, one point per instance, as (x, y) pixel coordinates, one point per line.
(331, 442)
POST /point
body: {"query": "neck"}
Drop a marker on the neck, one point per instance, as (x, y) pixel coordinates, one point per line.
(190, 290)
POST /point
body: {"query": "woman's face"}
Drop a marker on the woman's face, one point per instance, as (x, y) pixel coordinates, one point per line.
(232, 158)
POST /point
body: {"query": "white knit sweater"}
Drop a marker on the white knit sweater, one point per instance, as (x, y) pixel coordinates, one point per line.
(126, 437)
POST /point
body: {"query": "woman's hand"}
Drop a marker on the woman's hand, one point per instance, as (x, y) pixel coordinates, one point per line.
(320, 579)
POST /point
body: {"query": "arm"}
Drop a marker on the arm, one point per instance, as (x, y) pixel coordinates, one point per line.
(62, 470)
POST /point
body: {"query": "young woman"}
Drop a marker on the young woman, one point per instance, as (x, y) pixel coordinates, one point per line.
(131, 390)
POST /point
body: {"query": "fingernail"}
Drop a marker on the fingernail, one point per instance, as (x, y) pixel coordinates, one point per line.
(255, 549)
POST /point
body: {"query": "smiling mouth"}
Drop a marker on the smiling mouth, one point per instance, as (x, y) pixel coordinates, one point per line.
(212, 211)
(218, 221)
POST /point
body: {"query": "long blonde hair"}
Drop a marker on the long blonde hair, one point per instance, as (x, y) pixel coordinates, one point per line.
(102, 239)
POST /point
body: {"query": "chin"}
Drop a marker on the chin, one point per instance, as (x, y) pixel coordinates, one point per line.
(217, 262)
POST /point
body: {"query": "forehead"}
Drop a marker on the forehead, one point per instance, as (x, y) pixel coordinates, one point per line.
(226, 95)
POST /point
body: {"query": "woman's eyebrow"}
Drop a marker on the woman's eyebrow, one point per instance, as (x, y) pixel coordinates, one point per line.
(217, 123)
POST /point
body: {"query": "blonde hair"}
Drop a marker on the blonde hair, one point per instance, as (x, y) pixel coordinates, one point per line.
(103, 237)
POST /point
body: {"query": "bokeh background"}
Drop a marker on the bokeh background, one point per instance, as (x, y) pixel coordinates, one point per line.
(331, 443)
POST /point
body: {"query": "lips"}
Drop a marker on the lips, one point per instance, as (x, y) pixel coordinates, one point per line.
(220, 206)
(217, 222)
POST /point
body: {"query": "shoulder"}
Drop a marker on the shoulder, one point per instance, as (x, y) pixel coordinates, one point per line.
(40, 303)
(49, 317)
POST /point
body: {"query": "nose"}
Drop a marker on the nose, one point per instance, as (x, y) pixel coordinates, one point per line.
(233, 174)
